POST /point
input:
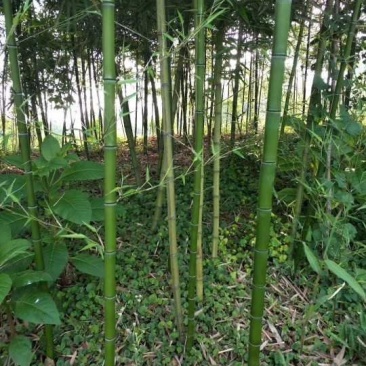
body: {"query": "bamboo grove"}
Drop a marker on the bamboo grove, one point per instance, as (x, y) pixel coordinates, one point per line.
(237, 127)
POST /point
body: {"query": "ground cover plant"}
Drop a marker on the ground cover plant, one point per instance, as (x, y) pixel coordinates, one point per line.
(234, 235)
(146, 335)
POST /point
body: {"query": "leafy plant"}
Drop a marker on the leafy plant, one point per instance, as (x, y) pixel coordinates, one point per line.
(23, 294)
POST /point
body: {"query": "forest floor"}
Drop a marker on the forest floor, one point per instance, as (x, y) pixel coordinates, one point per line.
(295, 331)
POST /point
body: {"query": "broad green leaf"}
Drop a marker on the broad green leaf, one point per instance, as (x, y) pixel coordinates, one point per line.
(74, 206)
(312, 259)
(89, 264)
(20, 350)
(37, 307)
(319, 83)
(20, 263)
(55, 259)
(26, 278)
(50, 147)
(83, 170)
(5, 233)
(97, 205)
(44, 168)
(57, 163)
(354, 128)
(15, 160)
(12, 249)
(342, 274)
(5, 286)
(14, 219)
(358, 181)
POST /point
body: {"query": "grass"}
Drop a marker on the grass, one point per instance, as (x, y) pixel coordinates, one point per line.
(294, 334)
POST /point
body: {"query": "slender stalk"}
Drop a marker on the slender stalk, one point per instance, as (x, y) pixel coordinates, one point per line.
(306, 66)
(294, 68)
(110, 147)
(339, 82)
(168, 161)
(345, 59)
(198, 148)
(219, 37)
(160, 196)
(249, 96)
(314, 104)
(25, 153)
(126, 117)
(199, 264)
(267, 176)
(256, 87)
(238, 68)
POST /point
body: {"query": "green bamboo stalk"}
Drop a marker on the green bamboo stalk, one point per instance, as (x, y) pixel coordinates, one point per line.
(168, 160)
(234, 113)
(199, 264)
(25, 153)
(126, 117)
(198, 148)
(315, 102)
(345, 59)
(160, 195)
(294, 67)
(267, 176)
(110, 148)
(219, 37)
(335, 101)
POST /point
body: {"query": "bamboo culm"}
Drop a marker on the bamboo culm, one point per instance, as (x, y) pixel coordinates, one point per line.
(197, 186)
(267, 176)
(26, 156)
(168, 162)
(110, 160)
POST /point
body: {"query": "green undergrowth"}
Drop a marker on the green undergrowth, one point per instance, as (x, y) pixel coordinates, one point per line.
(299, 329)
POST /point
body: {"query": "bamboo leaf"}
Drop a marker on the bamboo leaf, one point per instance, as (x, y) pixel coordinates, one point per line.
(89, 264)
(287, 195)
(55, 259)
(74, 206)
(342, 274)
(20, 350)
(12, 185)
(50, 147)
(5, 286)
(83, 170)
(312, 259)
(37, 307)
